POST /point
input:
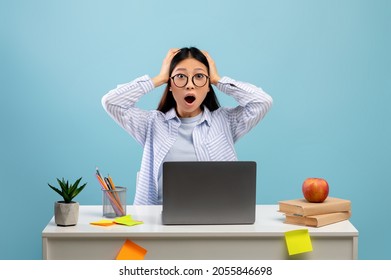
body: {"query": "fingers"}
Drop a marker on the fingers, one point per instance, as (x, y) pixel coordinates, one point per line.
(171, 53)
(208, 57)
(163, 76)
(210, 60)
(167, 60)
(174, 50)
(214, 76)
(205, 53)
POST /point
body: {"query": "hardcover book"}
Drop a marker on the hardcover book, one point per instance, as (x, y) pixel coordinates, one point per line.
(302, 207)
(318, 220)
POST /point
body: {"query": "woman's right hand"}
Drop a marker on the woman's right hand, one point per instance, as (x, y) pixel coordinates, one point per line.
(163, 76)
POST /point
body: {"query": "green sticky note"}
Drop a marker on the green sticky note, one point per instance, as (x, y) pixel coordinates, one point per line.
(298, 241)
(127, 221)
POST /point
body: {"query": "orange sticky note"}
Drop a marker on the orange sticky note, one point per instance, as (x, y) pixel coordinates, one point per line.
(131, 251)
(103, 223)
(298, 241)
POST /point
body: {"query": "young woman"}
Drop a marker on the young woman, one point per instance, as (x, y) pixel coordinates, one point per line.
(189, 124)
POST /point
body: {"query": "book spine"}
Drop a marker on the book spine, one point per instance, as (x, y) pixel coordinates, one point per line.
(325, 208)
(317, 220)
(327, 219)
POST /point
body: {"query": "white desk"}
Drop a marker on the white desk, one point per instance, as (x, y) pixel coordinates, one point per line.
(262, 240)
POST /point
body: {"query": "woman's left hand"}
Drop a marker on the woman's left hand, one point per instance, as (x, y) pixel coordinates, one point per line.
(213, 74)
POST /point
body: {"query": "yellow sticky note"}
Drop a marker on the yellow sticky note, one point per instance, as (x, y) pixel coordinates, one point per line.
(103, 223)
(127, 221)
(298, 241)
(131, 251)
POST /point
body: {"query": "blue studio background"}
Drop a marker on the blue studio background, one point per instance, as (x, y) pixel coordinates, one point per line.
(327, 65)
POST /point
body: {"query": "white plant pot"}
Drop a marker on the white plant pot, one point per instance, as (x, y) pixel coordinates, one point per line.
(66, 214)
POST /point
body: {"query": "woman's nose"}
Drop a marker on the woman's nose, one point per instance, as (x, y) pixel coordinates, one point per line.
(190, 84)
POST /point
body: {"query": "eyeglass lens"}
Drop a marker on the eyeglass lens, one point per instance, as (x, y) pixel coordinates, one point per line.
(199, 80)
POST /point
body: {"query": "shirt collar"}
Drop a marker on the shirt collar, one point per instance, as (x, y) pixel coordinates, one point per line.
(206, 116)
(171, 114)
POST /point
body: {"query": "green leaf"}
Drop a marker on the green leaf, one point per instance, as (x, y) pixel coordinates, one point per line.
(73, 187)
(77, 191)
(68, 191)
(66, 197)
(55, 189)
(63, 185)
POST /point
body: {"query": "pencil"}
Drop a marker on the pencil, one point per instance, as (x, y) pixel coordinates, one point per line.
(97, 172)
(113, 187)
(116, 205)
(108, 183)
(111, 182)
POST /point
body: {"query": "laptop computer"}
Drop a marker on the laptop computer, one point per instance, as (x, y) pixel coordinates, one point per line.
(209, 193)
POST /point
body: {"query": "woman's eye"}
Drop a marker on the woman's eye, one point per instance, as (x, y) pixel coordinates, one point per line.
(199, 76)
(181, 76)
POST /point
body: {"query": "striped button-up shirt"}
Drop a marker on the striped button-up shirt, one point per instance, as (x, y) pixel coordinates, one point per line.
(213, 137)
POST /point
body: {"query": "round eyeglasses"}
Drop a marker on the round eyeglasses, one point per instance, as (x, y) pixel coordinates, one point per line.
(199, 80)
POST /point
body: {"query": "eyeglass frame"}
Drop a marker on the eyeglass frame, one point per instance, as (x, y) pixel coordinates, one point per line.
(187, 79)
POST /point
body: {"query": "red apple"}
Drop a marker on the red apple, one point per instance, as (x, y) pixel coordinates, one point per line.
(315, 189)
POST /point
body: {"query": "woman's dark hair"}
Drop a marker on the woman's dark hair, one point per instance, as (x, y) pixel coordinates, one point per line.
(167, 101)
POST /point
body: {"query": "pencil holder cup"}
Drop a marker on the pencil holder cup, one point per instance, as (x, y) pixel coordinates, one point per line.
(114, 202)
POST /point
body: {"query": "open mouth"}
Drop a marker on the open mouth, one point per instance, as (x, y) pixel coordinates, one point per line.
(190, 99)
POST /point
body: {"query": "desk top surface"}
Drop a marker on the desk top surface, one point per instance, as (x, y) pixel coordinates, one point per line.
(269, 222)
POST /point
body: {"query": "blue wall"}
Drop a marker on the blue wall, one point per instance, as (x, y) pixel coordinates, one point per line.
(327, 65)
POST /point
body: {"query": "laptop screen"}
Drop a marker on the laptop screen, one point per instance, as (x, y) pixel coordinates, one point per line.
(213, 192)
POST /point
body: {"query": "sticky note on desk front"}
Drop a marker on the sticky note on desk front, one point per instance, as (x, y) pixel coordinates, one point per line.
(131, 251)
(298, 241)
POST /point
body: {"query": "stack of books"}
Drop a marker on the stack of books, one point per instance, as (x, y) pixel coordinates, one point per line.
(302, 212)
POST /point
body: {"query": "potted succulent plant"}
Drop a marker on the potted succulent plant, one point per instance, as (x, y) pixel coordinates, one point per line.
(66, 212)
